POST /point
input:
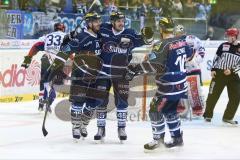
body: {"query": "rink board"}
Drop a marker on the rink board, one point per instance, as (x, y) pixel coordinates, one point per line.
(18, 84)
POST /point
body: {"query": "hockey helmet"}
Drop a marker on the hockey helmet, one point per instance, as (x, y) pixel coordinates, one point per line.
(179, 29)
(166, 24)
(91, 16)
(116, 15)
(232, 32)
(59, 27)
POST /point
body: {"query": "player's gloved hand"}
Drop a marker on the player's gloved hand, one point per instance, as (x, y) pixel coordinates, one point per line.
(27, 61)
(147, 33)
(68, 37)
(59, 77)
(130, 73)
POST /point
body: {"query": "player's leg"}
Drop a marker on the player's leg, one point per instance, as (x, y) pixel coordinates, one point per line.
(44, 67)
(216, 87)
(77, 89)
(173, 122)
(121, 92)
(101, 109)
(233, 89)
(195, 96)
(157, 123)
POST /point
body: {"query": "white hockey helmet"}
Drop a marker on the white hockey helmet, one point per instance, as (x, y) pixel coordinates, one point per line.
(179, 30)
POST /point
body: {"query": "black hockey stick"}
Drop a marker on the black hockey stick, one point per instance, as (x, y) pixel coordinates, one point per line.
(79, 25)
(44, 131)
(119, 76)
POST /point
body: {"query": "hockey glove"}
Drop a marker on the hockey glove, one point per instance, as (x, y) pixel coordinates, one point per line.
(130, 73)
(27, 61)
(69, 37)
(147, 34)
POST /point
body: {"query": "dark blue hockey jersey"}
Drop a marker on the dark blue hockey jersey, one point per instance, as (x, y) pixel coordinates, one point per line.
(84, 41)
(115, 46)
(172, 53)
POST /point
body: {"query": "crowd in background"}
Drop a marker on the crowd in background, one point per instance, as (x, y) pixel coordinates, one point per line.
(134, 8)
(146, 11)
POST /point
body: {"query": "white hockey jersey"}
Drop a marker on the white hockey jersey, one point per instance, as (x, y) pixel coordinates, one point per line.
(199, 53)
(52, 43)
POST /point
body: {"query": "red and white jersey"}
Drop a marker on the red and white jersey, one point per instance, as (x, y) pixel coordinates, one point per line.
(199, 53)
(52, 43)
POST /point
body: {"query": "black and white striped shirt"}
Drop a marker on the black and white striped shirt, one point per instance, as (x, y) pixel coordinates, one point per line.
(227, 56)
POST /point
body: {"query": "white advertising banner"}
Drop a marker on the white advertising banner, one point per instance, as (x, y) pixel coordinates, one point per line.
(17, 82)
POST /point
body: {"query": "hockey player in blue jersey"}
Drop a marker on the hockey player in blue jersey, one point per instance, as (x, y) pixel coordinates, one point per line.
(167, 60)
(86, 46)
(117, 44)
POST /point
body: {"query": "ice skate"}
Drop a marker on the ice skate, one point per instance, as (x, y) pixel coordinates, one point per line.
(100, 134)
(83, 131)
(41, 105)
(122, 134)
(153, 145)
(176, 142)
(230, 122)
(76, 132)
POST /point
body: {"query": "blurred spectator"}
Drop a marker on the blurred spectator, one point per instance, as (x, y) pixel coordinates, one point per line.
(143, 10)
(133, 8)
(189, 9)
(155, 11)
(177, 8)
(28, 5)
(203, 10)
(80, 6)
(166, 7)
(210, 34)
(109, 7)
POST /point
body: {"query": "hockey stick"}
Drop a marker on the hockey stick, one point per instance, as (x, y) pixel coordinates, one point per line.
(48, 102)
(119, 76)
(44, 131)
(79, 25)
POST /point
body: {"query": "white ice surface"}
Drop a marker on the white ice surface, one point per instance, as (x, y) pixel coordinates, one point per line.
(21, 137)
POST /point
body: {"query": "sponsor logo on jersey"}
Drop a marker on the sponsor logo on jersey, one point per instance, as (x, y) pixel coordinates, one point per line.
(177, 45)
(226, 47)
(87, 44)
(105, 35)
(113, 48)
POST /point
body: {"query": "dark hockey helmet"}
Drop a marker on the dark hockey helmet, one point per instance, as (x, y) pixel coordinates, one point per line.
(59, 27)
(232, 32)
(91, 16)
(116, 15)
(166, 24)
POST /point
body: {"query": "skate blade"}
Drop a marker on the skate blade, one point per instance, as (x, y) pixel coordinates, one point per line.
(122, 141)
(156, 150)
(225, 124)
(100, 141)
(75, 140)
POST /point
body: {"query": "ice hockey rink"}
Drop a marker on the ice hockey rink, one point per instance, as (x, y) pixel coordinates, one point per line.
(21, 137)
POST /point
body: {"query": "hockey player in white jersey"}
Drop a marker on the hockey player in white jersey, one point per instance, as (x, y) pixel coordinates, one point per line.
(49, 43)
(195, 97)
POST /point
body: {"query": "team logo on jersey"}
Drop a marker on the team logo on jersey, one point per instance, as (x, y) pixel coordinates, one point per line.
(226, 47)
(105, 35)
(87, 44)
(125, 40)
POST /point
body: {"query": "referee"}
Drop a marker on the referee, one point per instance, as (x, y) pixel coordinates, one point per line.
(226, 59)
